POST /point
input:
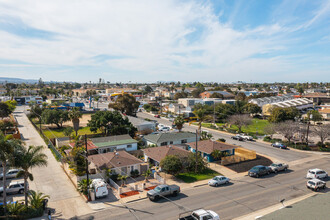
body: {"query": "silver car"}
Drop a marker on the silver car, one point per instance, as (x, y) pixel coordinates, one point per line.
(15, 187)
(12, 173)
(278, 167)
(218, 180)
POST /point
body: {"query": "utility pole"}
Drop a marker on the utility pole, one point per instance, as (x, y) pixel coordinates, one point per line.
(214, 112)
(308, 122)
(196, 168)
(88, 196)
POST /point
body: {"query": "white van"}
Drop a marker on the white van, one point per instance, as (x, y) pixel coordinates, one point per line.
(100, 188)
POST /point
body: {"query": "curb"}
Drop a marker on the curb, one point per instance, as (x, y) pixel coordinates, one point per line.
(135, 200)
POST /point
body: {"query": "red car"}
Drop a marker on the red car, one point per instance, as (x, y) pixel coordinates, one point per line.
(157, 116)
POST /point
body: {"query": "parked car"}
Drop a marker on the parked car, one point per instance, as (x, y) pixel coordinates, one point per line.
(14, 188)
(259, 170)
(218, 180)
(157, 116)
(237, 137)
(10, 174)
(100, 188)
(316, 174)
(315, 184)
(163, 190)
(246, 137)
(275, 167)
(164, 129)
(199, 214)
(279, 145)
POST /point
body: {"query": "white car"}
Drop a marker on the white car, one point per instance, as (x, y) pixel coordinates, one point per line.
(316, 174)
(246, 137)
(10, 174)
(15, 187)
(164, 129)
(218, 180)
(315, 184)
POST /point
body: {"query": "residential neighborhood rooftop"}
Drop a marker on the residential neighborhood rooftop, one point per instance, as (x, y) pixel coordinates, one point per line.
(159, 153)
(208, 146)
(164, 137)
(114, 159)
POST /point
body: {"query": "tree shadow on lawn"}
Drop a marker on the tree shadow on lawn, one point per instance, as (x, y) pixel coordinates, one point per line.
(247, 165)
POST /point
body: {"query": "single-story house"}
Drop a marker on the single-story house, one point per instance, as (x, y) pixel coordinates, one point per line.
(206, 147)
(225, 94)
(155, 155)
(112, 143)
(325, 113)
(163, 139)
(142, 126)
(119, 162)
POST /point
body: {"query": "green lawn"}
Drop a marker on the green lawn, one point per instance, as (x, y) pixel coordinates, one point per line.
(193, 177)
(58, 132)
(257, 125)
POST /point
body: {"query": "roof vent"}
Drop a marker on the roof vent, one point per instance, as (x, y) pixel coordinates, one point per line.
(116, 153)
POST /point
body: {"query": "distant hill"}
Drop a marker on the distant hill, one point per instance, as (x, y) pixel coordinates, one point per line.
(17, 80)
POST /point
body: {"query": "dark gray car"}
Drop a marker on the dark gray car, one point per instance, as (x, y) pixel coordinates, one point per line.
(259, 170)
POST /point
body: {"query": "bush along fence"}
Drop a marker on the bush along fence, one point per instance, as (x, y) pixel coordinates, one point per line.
(49, 143)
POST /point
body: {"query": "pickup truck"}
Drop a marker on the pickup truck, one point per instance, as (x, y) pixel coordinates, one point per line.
(163, 190)
(200, 214)
(278, 167)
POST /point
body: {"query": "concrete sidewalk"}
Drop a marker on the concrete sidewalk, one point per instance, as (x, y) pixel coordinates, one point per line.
(51, 180)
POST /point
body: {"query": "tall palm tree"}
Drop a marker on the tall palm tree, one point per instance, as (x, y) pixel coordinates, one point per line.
(6, 155)
(26, 159)
(179, 122)
(202, 115)
(74, 115)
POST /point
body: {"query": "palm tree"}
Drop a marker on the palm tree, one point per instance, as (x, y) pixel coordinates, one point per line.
(147, 174)
(123, 179)
(179, 122)
(36, 199)
(82, 186)
(202, 116)
(26, 159)
(74, 115)
(6, 155)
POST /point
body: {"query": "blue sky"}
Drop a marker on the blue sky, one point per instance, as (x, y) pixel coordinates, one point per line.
(148, 41)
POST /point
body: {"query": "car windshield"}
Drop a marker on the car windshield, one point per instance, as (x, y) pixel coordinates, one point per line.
(312, 183)
(312, 172)
(254, 169)
(215, 178)
(158, 189)
(274, 165)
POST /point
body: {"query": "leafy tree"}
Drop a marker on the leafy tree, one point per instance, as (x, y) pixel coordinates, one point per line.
(68, 131)
(171, 164)
(252, 108)
(148, 89)
(217, 155)
(314, 115)
(82, 186)
(6, 125)
(196, 93)
(36, 199)
(180, 95)
(126, 104)
(241, 96)
(35, 111)
(206, 136)
(123, 179)
(111, 123)
(26, 159)
(240, 120)
(147, 174)
(217, 95)
(11, 104)
(279, 114)
(239, 106)
(74, 115)
(55, 116)
(190, 163)
(179, 122)
(4, 110)
(222, 111)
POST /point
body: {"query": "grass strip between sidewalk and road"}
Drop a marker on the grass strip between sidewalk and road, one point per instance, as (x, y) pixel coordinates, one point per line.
(193, 177)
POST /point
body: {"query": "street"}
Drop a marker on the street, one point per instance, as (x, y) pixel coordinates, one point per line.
(51, 180)
(280, 154)
(244, 195)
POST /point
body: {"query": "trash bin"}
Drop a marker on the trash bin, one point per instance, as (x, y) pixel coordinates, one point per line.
(92, 195)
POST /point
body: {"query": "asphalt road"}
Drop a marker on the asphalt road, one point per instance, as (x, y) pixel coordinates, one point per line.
(243, 196)
(280, 154)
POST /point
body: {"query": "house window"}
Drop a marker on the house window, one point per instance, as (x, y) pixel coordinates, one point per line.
(183, 141)
(171, 142)
(163, 144)
(129, 146)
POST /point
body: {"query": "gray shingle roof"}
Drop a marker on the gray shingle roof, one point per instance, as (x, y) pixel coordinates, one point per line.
(111, 138)
(165, 137)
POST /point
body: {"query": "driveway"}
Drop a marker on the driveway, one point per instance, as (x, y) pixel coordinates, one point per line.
(51, 180)
(261, 148)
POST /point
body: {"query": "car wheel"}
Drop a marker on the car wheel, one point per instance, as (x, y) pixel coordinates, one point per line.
(216, 185)
(21, 191)
(156, 198)
(268, 173)
(317, 189)
(0, 194)
(175, 193)
(257, 175)
(285, 169)
(323, 187)
(275, 171)
(226, 182)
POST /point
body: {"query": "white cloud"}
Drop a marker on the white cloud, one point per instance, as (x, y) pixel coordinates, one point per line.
(150, 37)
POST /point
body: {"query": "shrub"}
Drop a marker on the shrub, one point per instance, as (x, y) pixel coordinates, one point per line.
(267, 139)
(134, 173)
(114, 177)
